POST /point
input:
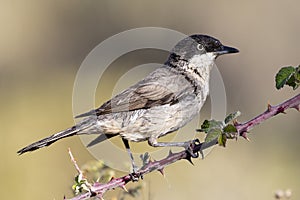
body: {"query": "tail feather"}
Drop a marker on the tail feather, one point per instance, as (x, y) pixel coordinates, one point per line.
(53, 138)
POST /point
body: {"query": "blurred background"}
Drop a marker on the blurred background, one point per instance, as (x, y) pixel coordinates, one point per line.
(43, 43)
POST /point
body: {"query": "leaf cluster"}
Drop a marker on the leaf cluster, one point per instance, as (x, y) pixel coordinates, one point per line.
(221, 130)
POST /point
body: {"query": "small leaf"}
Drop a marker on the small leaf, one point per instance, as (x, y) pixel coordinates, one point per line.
(232, 116)
(294, 81)
(205, 126)
(74, 187)
(283, 76)
(213, 134)
(222, 140)
(230, 129)
(77, 179)
(209, 125)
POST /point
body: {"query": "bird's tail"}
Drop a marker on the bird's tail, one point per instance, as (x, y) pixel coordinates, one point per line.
(53, 138)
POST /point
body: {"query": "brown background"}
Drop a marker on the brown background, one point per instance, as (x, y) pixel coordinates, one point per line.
(42, 44)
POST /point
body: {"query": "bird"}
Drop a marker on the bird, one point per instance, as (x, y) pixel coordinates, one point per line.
(161, 103)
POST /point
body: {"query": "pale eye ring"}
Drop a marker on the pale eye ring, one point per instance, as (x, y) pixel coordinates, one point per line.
(200, 47)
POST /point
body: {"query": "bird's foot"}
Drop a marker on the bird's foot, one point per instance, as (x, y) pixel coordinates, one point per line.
(190, 148)
(135, 176)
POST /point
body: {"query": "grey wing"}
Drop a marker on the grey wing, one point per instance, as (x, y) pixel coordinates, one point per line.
(143, 95)
(159, 88)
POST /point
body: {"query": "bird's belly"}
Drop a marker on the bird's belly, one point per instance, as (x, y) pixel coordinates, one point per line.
(158, 121)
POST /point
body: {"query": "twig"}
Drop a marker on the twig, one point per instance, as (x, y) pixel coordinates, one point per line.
(242, 129)
(74, 162)
(85, 184)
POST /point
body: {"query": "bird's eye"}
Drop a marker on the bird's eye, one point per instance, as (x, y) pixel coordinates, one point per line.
(200, 47)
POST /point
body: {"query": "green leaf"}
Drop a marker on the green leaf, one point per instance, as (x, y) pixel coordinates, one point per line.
(74, 187)
(283, 76)
(229, 129)
(209, 125)
(294, 81)
(205, 126)
(222, 140)
(213, 134)
(77, 179)
(232, 116)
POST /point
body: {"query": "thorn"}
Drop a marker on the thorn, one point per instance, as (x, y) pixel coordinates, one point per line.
(244, 135)
(64, 197)
(161, 170)
(112, 178)
(151, 160)
(235, 122)
(269, 106)
(93, 193)
(189, 158)
(297, 107)
(124, 188)
(170, 153)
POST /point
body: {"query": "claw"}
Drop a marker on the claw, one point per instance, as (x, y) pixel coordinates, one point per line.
(135, 177)
(196, 141)
(192, 154)
(190, 146)
(134, 168)
(189, 158)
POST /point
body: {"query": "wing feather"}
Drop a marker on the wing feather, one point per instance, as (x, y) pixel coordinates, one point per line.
(143, 96)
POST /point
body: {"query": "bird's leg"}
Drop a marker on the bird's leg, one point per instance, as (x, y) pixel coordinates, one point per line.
(134, 175)
(187, 145)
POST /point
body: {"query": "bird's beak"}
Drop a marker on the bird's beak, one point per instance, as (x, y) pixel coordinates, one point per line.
(227, 50)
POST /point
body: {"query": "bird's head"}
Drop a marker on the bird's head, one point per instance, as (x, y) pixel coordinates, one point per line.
(197, 45)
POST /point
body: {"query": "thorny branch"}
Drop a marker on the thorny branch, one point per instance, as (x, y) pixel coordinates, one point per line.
(271, 111)
(98, 189)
